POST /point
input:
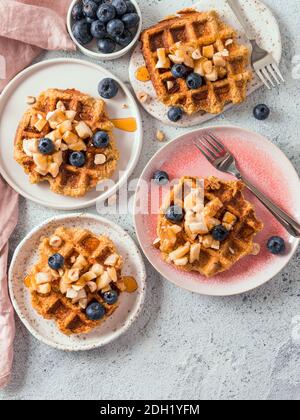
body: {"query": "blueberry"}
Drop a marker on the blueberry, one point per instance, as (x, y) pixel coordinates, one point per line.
(261, 112)
(120, 6)
(124, 39)
(106, 12)
(101, 139)
(174, 214)
(56, 261)
(276, 245)
(90, 9)
(194, 81)
(179, 71)
(82, 33)
(98, 29)
(130, 7)
(115, 27)
(108, 88)
(90, 20)
(131, 20)
(106, 45)
(77, 159)
(46, 147)
(161, 177)
(111, 297)
(175, 114)
(77, 12)
(95, 311)
(220, 233)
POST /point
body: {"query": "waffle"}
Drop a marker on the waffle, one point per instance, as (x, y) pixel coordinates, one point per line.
(87, 253)
(70, 180)
(191, 247)
(190, 31)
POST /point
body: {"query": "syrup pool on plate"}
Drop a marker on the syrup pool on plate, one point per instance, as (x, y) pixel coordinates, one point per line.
(142, 74)
(125, 124)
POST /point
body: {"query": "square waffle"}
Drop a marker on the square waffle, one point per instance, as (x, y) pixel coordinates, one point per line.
(220, 202)
(91, 267)
(200, 32)
(70, 180)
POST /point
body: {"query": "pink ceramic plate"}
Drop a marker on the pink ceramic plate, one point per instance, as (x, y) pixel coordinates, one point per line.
(265, 165)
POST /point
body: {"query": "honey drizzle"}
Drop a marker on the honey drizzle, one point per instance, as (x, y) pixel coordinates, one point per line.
(142, 74)
(125, 124)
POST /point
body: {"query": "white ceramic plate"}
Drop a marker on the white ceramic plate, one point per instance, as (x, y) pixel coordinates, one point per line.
(267, 33)
(263, 164)
(91, 49)
(46, 331)
(63, 74)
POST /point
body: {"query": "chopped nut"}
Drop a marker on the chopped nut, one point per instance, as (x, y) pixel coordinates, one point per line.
(256, 249)
(30, 100)
(83, 303)
(195, 253)
(86, 277)
(83, 130)
(111, 260)
(100, 159)
(207, 241)
(160, 135)
(208, 67)
(219, 61)
(92, 286)
(144, 97)
(60, 105)
(208, 51)
(65, 126)
(232, 251)
(40, 124)
(97, 269)
(163, 60)
(156, 243)
(44, 289)
(55, 241)
(125, 106)
(228, 42)
(180, 252)
(42, 278)
(196, 55)
(215, 245)
(112, 274)
(63, 287)
(74, 275)
(170, 84)
(103, 281)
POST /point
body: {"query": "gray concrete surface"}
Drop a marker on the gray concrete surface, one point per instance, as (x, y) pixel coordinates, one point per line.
(184, 345)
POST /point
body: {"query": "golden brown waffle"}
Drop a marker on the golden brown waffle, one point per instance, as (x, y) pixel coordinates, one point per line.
(80, 248)
(222, 198)
(71, 181)
(197, 29)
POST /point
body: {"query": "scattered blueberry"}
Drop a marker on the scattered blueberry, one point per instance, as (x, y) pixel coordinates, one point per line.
(90, 9)
(98, 29)
(174, 214)
(124, 39)
(161, 177)
(175, 114)
(56, 261)
(179, 71)
(194, 81)
(95, 311)
(108, 88)
(131, 20)
(106, 12)
(101, 139)
(130, 7)
(106, 45)
(77, 159)
(46, 147)
(261, 112)
(115, 27)
(77, 12)
(220, 233)
(111, 297)
(82, 33)
(120, 6)
(276, 245)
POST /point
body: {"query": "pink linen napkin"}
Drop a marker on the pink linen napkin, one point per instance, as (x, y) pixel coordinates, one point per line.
(9, 218)
(26, 28)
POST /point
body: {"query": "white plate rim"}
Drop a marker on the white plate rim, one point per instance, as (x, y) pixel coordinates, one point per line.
(133, 315)
(138, 135)
(144, 249)
(206, 117)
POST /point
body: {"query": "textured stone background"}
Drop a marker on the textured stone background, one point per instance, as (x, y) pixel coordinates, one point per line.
(184, 345)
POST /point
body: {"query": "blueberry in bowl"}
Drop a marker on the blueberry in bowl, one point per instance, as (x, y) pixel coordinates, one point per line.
(104, 28)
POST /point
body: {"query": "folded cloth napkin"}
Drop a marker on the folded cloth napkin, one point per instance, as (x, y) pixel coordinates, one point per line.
(8, 217)
(26, 28)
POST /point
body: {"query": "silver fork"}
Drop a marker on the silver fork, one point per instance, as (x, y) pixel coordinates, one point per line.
(223, 160)
(263, 62)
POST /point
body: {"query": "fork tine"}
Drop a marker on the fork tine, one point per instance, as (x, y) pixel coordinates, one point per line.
(260, 75)
(217, 141)
(203, 152)
(266, 74)
(205, 145)
(276, 68)
(271, 70)
(213, 144)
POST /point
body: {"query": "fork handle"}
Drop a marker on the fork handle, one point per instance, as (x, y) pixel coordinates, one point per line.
(286, 221)
(240, 17)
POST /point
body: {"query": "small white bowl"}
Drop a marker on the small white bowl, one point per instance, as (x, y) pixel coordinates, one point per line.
(91, 49)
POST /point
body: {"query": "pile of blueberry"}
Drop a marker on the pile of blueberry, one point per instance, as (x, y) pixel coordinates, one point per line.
(113, 23)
